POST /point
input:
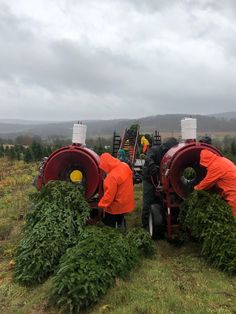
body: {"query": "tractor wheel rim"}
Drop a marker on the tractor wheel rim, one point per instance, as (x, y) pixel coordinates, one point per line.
(150, 225)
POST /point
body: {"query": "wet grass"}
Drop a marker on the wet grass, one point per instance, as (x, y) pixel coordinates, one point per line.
(176, 280)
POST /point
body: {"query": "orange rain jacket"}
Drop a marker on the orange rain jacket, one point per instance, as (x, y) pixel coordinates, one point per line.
(118, 195)
(220, 172)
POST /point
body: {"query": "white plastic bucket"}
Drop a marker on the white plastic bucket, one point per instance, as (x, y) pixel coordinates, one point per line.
(188, 129)
(79, 134)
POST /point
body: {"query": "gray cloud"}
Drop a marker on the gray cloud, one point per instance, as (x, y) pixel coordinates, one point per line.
(152, 5)
(161, 58)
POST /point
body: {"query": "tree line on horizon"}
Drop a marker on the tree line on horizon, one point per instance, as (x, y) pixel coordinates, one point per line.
(33, 148)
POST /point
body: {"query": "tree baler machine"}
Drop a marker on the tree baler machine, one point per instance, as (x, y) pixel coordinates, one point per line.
(78, 164)
(179, 172)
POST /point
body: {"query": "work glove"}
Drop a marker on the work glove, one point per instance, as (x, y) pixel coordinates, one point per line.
(153, 169)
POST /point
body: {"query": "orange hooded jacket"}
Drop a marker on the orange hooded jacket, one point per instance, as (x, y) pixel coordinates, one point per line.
(118, 195)
(220, 172)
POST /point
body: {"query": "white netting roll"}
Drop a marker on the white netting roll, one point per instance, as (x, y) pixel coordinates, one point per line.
(188, 129)
(79, 134)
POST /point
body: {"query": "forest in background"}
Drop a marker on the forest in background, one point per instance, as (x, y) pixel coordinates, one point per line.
(30, 149)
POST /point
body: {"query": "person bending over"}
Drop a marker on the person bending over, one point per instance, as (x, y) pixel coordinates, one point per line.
(221, 172)
(118, 197)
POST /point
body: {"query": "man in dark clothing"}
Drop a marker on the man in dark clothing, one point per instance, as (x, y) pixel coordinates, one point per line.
(151, 169)
(205, 139)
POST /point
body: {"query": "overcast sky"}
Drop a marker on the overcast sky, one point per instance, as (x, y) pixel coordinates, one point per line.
(103, 59)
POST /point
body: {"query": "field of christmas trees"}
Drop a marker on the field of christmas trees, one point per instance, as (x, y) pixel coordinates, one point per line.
(173, 280)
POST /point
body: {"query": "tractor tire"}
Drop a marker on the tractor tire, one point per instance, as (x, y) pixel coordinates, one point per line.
(156, 222)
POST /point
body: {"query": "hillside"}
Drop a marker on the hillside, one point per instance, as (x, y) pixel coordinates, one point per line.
(162, 123)
(225, 115)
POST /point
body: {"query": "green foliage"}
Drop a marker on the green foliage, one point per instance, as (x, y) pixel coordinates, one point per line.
(141, 239)
(28, 156)
(189, 173)
(57, 218)
(134, 127)
(37, 150)
(211, 221)
(227, 145)
(1, 150)
(230, 156)
(87, 270)
(31, 149)
(33, 152)
(87, 260)
(12, 154)
(233, 147)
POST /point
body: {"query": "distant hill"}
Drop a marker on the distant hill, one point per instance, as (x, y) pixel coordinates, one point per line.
(225, 115)
(162, 123)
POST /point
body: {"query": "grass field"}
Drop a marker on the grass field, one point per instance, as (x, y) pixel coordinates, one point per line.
(175, 280)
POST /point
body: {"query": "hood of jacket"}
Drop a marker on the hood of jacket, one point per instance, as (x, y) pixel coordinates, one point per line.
(169, 143)
(207, 157)
(107, 162)
(120, 170)
(121, 155)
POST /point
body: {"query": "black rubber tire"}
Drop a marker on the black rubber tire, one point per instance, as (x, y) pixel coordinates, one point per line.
(156, 225)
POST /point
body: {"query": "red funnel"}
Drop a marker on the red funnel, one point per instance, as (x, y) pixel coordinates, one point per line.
(177, 160)
(63, 161)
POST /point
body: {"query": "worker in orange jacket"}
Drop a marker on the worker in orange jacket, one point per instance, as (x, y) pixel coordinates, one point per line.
(118, 197)
(220, 172)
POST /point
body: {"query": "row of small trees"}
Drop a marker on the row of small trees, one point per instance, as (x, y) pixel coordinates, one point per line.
(227, 145)
(36, 149)
(33, 152)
